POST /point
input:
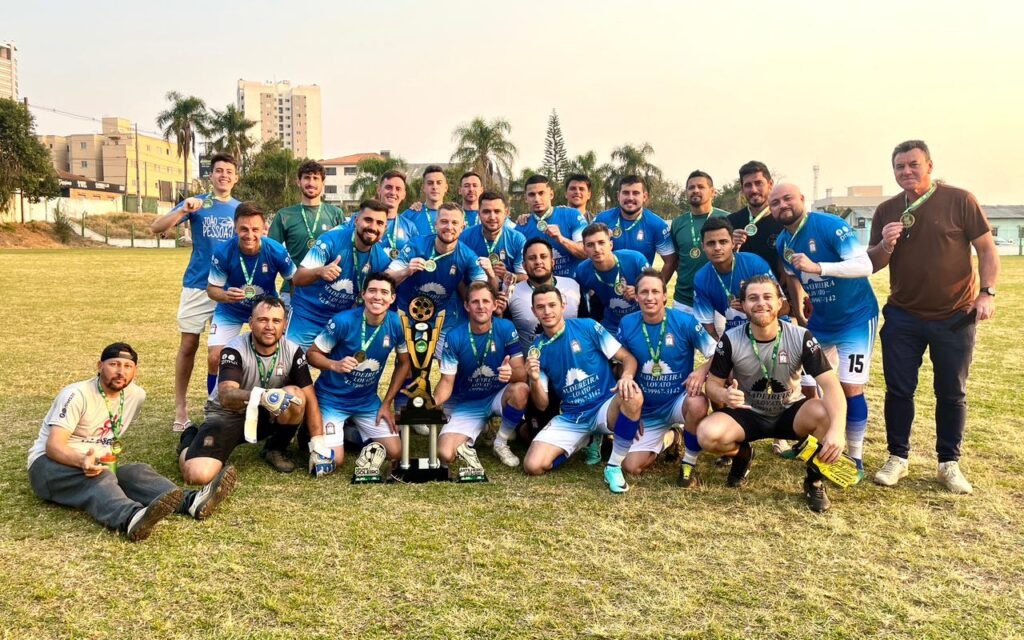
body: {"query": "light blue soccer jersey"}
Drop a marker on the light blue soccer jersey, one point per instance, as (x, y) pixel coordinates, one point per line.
(680, 337)
(356, 391)
(709, 288)
(399, 231)
(571, 224)
(226, 271)
(315, 303)
(648, 234)
(424, 220)
(472, 217)
(441, 285)
(474, 359)
(839, 303)
(630, 264)
(210, 228)
(508, 246)
(576, 363)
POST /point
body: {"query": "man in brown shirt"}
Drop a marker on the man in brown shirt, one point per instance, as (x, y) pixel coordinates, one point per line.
(925, 235)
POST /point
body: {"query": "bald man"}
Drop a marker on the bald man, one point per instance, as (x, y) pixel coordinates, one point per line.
(824, 260)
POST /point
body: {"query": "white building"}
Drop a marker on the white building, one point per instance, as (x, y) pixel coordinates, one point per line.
(341, 173)
(8, 70)
(283, 112)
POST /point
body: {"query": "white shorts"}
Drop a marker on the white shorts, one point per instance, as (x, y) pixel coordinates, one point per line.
(654, 430)
(849, 352)
(365, 422)
(223, 330)
(195, 309)
(570, 436)
(470, 418)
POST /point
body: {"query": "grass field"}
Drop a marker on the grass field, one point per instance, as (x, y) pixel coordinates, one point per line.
(552, 557)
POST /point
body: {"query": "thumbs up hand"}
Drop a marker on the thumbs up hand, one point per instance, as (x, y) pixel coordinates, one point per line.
(330, 272)
(734, 398)
(505, 370)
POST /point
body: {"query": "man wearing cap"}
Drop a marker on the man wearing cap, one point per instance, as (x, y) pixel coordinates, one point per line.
(74, 460)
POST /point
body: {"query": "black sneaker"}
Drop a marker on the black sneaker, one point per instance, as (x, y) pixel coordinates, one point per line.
(740, 466)
(209, 497)
(279, 460)
(817, 498)
(143, 521)
(688, 477)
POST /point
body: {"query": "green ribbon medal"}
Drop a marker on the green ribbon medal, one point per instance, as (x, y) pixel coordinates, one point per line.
(364, 344)
(695, 244)
(655, 354)
(618, 284)
(311, 230)
(751, 228)
(907, 217)
(542, 222)
(618, 230)
(787, 252)
(115, 422)
(487, 345)
(775, 354)
(249, 290)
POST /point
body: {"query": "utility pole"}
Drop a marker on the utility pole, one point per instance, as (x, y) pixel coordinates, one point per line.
(138, 184)
(21, 194)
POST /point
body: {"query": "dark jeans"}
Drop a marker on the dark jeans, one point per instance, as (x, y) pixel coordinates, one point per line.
(904, 339)
(109, 499)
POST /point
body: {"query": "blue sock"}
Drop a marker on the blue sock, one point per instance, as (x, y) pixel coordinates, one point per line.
(211, 382)
(559, 461)
(856, 426)
(692, 447)
(625, 430)
(510, 419)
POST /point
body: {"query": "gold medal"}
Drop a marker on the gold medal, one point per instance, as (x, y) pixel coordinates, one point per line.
(495, 258)
(430, 266)
(393, 253)
(310, 243)
(116, 446)
(788, 254)
(656, 370)
(360, 356)
(694, 253)
(617, 232)
(208, 203)
(751, 229)
(908, 220)
(620, 287)
(541, 225)
(249, 291)
(534, 352)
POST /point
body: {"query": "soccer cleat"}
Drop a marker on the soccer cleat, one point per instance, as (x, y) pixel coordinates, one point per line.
(891, 472)
(209, 497)
(780, 447)
(143, 521)
(592, 454)
(723, 461)
(953, 479)
(504, 452)
(615, 480)
(370, 459)
(740, 468)
(278, 460)
(688, 476)
(817, 498)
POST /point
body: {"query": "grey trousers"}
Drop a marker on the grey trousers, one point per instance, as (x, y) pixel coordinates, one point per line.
(111, 500)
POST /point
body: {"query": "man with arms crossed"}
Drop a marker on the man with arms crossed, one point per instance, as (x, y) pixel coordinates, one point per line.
(68, 464)
(574, 355)
(925, 235)
(211, 218)
(764, 358)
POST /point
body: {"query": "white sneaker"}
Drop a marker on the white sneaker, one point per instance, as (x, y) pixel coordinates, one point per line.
(891, 472)
(951, 476)
(421, 429)
(504, 453)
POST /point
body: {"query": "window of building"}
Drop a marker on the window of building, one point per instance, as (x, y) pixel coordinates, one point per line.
(85, 164)
(332, 171)
(351, 171)
(82, 145)
(330, 188)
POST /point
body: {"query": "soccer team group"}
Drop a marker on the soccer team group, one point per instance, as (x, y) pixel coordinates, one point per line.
(554, 323)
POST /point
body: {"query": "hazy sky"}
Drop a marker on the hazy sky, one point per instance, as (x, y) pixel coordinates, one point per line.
(709, 85)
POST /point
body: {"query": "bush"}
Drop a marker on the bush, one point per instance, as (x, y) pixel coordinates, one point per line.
(62, 225)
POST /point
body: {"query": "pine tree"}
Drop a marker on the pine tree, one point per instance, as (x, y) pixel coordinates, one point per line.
(555, 156)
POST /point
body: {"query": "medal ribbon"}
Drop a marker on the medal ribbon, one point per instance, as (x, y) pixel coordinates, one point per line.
(655, 355)
(245, 270)
(786, 245)
(392, 237)
(265, 373)
(618, 274)
(115, 421)
(434, 255)
(546, 342)
(775, 352)
(763, 213)
(355, 265)
(364, 344)
(693, 232)
(493, 245)
(311, 229)
(430, 221)
(618, 223)
(487, 346)
(920, 201)
(547, 214)
(732, 275)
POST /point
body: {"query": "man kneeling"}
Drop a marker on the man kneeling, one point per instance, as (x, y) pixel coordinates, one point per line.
(765, 357)
(74, 460)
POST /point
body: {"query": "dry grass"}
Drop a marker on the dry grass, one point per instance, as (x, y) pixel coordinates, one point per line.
(119, 225)
(554, 557)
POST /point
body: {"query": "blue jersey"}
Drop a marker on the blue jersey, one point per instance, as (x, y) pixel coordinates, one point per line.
(709, 288)
(424, 220)
(226, 271)
(318, 301)
(399, 231)
(648, 234)
(576, 362)
(682, 335)
(476, 371)
(570, 223)
(472, 217)
(210, 228)
(602, 283)
(508, 246)
(441, 285)
(838, 303)
(343, 336)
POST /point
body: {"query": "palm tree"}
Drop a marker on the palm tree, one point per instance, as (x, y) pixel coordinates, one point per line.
(232, 129)
(370, 170)
(484, 147)
(186, 117)
(586, 164)
(632, 161)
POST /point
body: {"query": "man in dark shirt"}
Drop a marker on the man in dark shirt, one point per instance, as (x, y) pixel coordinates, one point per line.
(755, 229)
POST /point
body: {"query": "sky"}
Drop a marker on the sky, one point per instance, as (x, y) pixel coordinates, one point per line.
(709, 85)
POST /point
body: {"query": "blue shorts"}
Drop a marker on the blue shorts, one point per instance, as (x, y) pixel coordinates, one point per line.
(303, 331)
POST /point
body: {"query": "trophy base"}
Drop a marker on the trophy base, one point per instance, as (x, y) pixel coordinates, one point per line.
(471, 475)
(366, 478)
(419, 471)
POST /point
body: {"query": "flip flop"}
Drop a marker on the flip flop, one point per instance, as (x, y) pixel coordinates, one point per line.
(178, 426)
